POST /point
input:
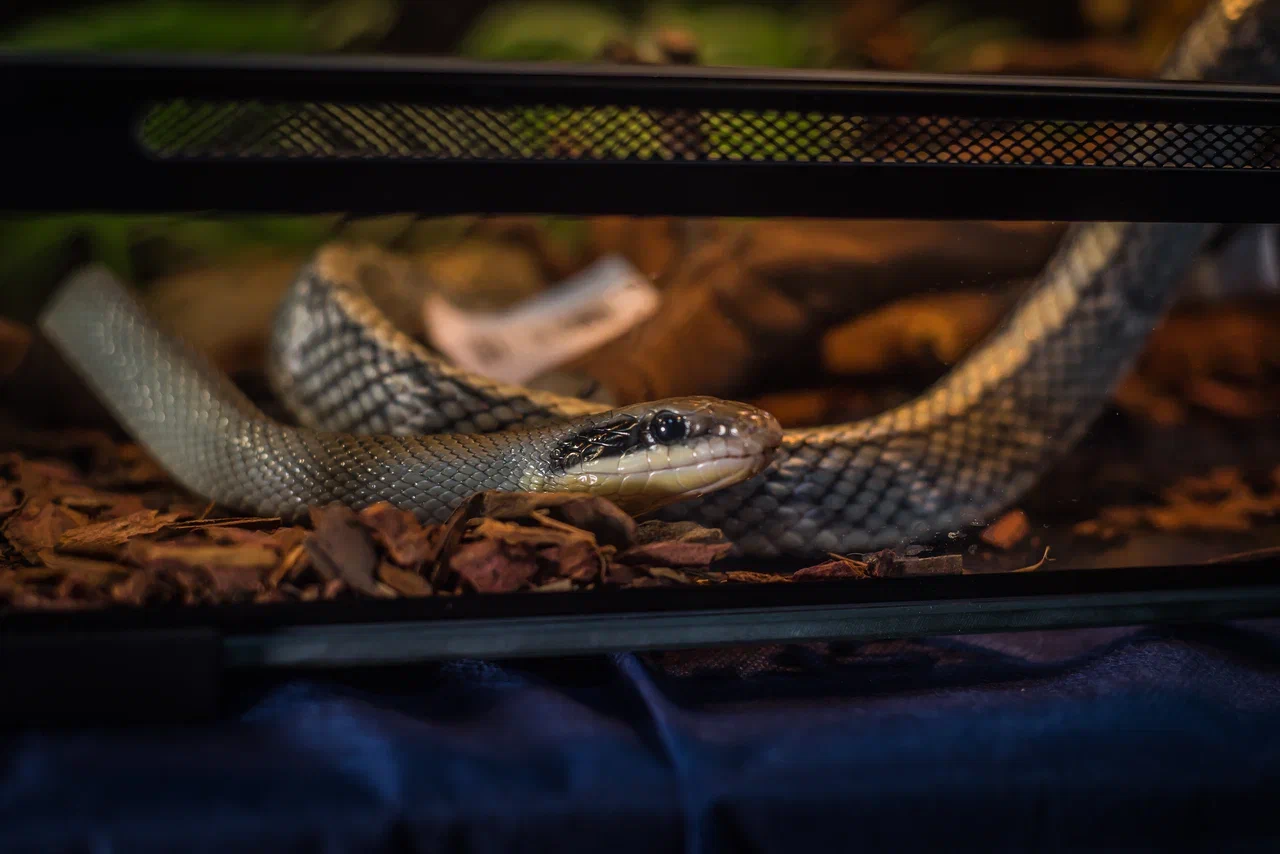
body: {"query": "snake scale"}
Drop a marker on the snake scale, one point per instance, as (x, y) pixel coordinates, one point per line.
(384, 418)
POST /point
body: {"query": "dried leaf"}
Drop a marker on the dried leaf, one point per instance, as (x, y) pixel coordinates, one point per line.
(885, 564)
(669, 574)
(602, 518)
(106, 538)
(1007, 531)
(403, 581)
(494, 566)
(72, 565)
(658, 531)
(743, 577)
(455, 528)
(39, 525)
(406, 541)
(577, 560)
(539, 535)
(560, 585)
(178, 555)
(840, 568)
(675, 553)
(290, 566)
(341, 547)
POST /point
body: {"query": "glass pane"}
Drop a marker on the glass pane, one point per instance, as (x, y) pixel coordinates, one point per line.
(897, 398)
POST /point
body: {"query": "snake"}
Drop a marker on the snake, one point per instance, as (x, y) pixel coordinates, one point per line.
(381, 417)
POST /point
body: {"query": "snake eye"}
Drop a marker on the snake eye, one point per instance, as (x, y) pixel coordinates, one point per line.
(667, 427)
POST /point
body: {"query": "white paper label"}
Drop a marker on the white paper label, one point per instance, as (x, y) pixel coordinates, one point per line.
(543, 332)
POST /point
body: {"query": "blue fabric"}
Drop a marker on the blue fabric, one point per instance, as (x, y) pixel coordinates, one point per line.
(1133, 739)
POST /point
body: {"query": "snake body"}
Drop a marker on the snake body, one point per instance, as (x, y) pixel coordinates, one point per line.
(217, 443)
(370, 399)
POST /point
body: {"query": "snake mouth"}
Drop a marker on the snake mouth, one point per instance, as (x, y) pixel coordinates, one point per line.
(647, 457)
(644, 490)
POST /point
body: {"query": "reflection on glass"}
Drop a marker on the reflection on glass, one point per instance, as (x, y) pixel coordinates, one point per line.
(439, 406)
(962, 397)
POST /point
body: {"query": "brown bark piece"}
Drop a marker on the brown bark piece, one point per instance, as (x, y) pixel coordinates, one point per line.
(403, 581)
(342, 548)
(1007, 531)
(495, 566)
(106, 538)
(407, 542)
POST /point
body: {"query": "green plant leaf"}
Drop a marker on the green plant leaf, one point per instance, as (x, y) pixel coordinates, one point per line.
(542, 30)
(743, 35)
(270, 26)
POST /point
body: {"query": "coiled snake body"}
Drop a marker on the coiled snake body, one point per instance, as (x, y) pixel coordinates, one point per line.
(962, 451)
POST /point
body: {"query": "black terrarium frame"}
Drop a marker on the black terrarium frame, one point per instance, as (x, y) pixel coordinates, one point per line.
(127, 134)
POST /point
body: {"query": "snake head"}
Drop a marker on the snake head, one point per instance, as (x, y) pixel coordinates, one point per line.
(646, 456)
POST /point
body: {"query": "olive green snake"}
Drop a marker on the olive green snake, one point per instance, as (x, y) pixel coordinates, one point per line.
(380, 417)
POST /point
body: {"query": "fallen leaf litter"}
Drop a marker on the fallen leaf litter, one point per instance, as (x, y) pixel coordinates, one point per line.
(88, 523)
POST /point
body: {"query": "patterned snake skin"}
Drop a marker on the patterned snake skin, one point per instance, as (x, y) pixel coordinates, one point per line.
(960, 453)
(214, 441)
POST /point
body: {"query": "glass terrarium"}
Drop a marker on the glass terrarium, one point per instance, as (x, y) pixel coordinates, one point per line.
(344, 359)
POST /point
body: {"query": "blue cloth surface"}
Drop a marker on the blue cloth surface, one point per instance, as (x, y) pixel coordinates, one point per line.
(1118, 739)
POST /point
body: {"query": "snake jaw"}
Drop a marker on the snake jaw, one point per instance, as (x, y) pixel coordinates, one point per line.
(647, 457)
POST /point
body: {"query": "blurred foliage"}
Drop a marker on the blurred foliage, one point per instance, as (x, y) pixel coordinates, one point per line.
(543, 30)
(268, 26)
(727, 33)
(948, 34)
(941, 35)
(29, 246)
(789, 36)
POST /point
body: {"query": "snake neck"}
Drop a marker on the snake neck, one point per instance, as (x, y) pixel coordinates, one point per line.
(216, 443)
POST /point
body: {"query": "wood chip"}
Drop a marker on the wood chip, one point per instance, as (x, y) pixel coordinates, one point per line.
(599, 516)
(159, 555)
(1007, 531)
(668, 574)
(559, 585)
(74, 565)
(406, 541)
(832, 569)
(106, 538)
(683, 544)
(39, 525)
(342, 548)
(403, 581)
(576, 560)
(455, 528)
(744, 577)
(290, 565)
(495, 566)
